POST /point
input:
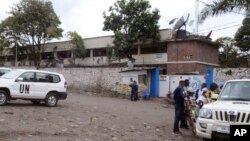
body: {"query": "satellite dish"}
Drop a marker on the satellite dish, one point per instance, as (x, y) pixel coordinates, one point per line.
(191, 23)
(179, 23)
(172, 21)
(209, 34)
(188, 15)
(183, 21)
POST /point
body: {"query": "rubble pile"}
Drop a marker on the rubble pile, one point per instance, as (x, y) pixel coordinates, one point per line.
(124, 89)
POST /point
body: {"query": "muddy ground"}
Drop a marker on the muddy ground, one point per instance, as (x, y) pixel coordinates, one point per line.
(89, 118)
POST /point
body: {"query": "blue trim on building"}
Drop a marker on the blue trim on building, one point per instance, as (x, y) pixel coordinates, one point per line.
(209, 76)
(155, 82)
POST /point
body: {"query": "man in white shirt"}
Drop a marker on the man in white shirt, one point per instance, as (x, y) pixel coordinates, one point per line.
(199, 91)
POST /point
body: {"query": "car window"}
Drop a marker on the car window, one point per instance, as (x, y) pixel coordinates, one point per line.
(236, 90)
(28, 76)
(56, 78)
(43, 77)
(12, 74)
(48, 78)
(3, 71)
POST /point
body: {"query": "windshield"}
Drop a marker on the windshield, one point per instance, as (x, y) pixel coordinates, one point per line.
(12, 74)
(236, 91)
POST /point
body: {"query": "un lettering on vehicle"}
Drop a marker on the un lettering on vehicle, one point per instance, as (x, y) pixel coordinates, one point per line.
(24, 88)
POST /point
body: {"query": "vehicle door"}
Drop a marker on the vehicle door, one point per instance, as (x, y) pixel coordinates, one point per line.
(43, 83)
(24, 86)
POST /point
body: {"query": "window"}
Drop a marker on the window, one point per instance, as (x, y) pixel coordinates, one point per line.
(87, 54)
(12, 74)
(142, 79)
(187, 57)
(163, 72)
(28, 76)
(134, 51)
(64, 54)
(99, 52)
(3, 71)
(47, 78)
(56, 78)
(43, 77)
(236, 91)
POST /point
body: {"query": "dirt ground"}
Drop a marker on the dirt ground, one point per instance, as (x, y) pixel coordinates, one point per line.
(89, 118)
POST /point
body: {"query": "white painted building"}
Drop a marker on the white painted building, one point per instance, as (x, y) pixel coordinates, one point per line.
(147, 54)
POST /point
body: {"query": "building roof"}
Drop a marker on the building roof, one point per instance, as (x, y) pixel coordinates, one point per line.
(198, 40)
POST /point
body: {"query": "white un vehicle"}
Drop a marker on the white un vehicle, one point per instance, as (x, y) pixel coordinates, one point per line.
(33, 85)
(232, 107)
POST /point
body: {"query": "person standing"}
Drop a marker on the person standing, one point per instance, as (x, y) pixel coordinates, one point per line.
(201, 101)
(199, 92)
(134, 91)
(184, 119)
(212, 91)
(179, 107)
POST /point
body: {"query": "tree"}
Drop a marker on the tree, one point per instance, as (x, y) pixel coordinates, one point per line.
(242, 37)
(32, 23)
(131, 21)
(218, 7)
(79, 49)
(229, 55)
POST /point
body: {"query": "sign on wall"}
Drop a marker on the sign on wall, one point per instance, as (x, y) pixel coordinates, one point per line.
(168, 83)
(195, 81)
(163, 77)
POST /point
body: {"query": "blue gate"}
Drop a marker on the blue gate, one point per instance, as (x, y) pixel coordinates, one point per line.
(154, 82)
(209, 76)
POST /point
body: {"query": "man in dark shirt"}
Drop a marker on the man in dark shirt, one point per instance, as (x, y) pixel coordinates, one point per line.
(134, 91)
(179, 106)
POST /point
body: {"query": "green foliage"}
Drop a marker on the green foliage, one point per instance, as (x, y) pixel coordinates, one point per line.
(242, 37)
(218, 7)
(229, 56)
(131, 21)
(31, 23)
(79, 51)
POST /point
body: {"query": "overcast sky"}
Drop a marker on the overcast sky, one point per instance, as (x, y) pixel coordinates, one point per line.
(85, 16)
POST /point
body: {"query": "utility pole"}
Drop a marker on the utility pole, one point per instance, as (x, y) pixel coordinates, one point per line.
(16, 53)
(196, 29)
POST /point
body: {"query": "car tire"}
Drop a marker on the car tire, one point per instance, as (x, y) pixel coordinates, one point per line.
(36, 102)
(3, 97)
(51, 100)
(204, 139)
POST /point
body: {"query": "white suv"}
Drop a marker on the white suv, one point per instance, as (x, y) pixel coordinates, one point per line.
(33, 85)
(232, 107)
(4, 70)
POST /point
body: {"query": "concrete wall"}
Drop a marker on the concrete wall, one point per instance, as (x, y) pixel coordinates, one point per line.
(88, 78)
(222, 75)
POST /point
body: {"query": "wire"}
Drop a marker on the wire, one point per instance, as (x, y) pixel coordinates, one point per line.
(221, 28)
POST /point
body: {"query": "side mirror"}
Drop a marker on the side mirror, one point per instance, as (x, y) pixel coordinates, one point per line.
(215, 96)
(19, 79)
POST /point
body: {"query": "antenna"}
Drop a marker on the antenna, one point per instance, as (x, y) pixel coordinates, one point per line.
(190, 23)
(172, 21)
(209, 34)
(196, 16)
(187, 18)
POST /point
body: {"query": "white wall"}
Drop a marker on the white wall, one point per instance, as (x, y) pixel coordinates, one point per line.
(126, 76)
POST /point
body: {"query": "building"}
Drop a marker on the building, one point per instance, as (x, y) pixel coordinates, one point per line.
(173, 56)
